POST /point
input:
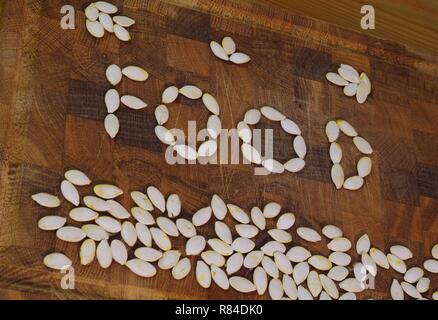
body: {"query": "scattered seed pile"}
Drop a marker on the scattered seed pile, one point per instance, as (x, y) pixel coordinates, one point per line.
(227, 51)
(282, 270)
(112, 97)
(99, 20)
(353, 84)
(252, 117)
(332, 130)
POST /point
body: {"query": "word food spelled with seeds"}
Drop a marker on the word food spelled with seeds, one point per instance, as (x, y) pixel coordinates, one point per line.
(252, 117)
(227, 51)
(229, 258)
(353, 83)
(112, 98)
(333, 129)
(207, 148)
(98, 20)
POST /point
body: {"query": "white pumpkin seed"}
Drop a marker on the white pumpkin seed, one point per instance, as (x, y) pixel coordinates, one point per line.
(324, 296)
(289, 287)
(369, 263)
(106, 22)
(142, 200)
(142, 216)
(83, 214)
(113, 74)
(234, 263)
(238, 214)
(124, 21)
(300, 146)
(252, 116)
(207, 148)
(133, 102)
(304, 294)
(246, 230)
(336, 79)
(173, 206)
(346, 128)
(338, 273)
(242, 245)
(219, 207)
(50, 223)
(212, 257)
(350, 89)
(105, 7)
(95, 232)
(298, 254)
(95, 28)
(112, 125)
(141, 268)
(348, 73)
(329, 286)
(186, 228)
(244, 132)
(148, 254)
(182, 269)
(331, 231)
(91, 12)
(431, 265)
(340, 244)
(434, 251)
(270, 267)
(337, 175)
(129, 233)
(77, 177)
(117, 210)
(201, 217)
(396, 290)
(351, 285)
(290, 127)
(272, 113)
(229, 45)
(220, 277)
(110, 224)
(239, 58)
(156, 197)
(107, 191)
(335, 152)
(168, 226)
(286, 221)
(258, 218)
(359, 271)
(46, 200)
(364, 167)
(170, 94)
(203, 274)
(195, 245)
(379, 258)
(242, 284)
(271, 210)
(308, 234)
(121, 33)
(253, 259)
(218, 51)
(119, 252)
(280, 235)
(144, 235)
(161, 114)
(282, 263)
(353, 183)
(332, 131)
(272, 246)
(87, 251)
(191, 92)
(187, 152)
(214, 126)
(57, 261)
(96, 204)
(164, 135)
(223, 232)
(161, 239)
(70, 234)
(401, 252)
(363, 89)
(300, 272)
(396, 263)
(135, 73)
(220, 247)
(103, 254)
(348, 296)
(320, 262)
(295, 165)
(363, 244)
(435, 295)
(340, 258)
(410, 290)
(273, 166)
(275, 289)
(362, 145)
(169, 259)
(423, 285)
(260, 279)
(211, 103)
(413, 274)
(314, 284)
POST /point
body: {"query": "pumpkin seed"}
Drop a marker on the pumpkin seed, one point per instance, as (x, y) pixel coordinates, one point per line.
(161, 239)
(242, 245)
(270, 267)
(91, 12)
(332, 131)
(46, 200)
(314, 284)
(95, 232)
(335, 152)
(96, 204)
(168, 226)
(290, 127)
(50, 223)
(413, 274)
(203, 275)
(169, 259)
(324, 296)
(379, 258)
(219, 277)
(252, 116)
(105, 7)
(253, 259)
(186, 152)
(87, 251)
(212, 257)
(107, 191)
(135, 73)
(124, 21)
(289, 287)
(275, 289)
(119, 252)
(348, 73)
(207, 148)
(156, 197)
(244, 132)
(70, 234)
(348, 296)
(112, 125)
(195, 245)
(350, 89)
(201, 217)
(258, 218)
(144, 235)
(181, 269)
(401, 252)
(331, 231)
(117, 210)
(308, 234)
(272, 246)
(95, 28)
(272, 113)
(220, 247)
(103, 254)
(431, 265)
(106, 22)
(369, 263)
(121, 33)
(396, 263)
(191, 92)
(260, 279)
(353, 183)
(186, 228)
(142, 216)
(214, 126)
(434, 251)
(337, 175)
(300, 146)
(246, 230)
(129, 233)
(336, 79)
(218, 51)
(423, 285)
(170, 94)
(164, 135)
(282, 262)
(338, 273)
(133, 102)
(396, 290)
(340, 258)
(161, 114)
(219, 207)
(320, 262)
(300, 272)
(141, 268)
(57, 261)
(142, 200)
(340, 244)
(148, 254)
(304, 294)
(273, 166)
(229, 45)
(239, 58)
(364, 167)
(110, 224)
(173, 206)
(362, 145)
(363, 89)
(113, 74)
(83, 214)
(329, 286)
(298, 254)
(363, 244)
(346, 128)
(410, 290)
(295, 165)
(351, 285)
(280, 235)
(223, 232)
(271, 210)
(238, 214)
(77, 177)
(242, 284)
(234, 263)
(211, 103)
(286, 221)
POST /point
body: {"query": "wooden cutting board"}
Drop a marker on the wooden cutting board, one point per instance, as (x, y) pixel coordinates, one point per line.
(51, 109)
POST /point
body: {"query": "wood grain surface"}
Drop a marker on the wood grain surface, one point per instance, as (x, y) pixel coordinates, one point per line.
(51, 109)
